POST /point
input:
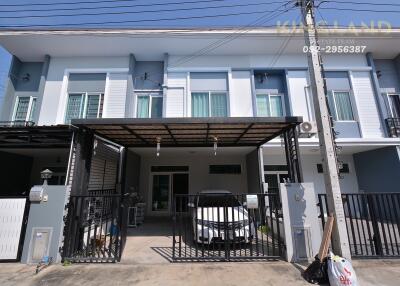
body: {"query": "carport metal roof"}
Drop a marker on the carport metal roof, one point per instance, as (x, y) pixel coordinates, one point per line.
(35, 136)
(189, 132)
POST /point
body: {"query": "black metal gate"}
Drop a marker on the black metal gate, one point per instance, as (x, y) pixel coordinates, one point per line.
(226, 227)
(95, 229)
(372, 221)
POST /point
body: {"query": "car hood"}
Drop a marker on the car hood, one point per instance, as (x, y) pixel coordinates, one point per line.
(232, 214)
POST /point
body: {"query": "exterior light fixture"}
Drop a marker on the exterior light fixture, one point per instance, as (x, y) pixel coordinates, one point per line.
(158, 146)
(46, 175)
(215, 145)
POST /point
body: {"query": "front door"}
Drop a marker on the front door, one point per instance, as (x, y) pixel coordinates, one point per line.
(164, 187)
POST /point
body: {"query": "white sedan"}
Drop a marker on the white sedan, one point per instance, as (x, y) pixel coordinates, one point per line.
(218, 216)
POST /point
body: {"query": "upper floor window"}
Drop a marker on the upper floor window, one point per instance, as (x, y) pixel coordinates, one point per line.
(149, 105)
(209, 94)
(205, 104)
(85, 96)
(339, 95)
(270, 89)
(25, 108)
(84, 105)
(394, 105)
(270, 105)
(340, 105)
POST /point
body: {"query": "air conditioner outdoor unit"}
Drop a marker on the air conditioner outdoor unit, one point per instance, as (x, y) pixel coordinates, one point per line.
(308, 127)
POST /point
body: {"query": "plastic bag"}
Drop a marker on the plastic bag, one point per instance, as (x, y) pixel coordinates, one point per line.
(341, 272)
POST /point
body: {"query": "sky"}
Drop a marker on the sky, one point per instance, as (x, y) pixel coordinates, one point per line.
(180, 13)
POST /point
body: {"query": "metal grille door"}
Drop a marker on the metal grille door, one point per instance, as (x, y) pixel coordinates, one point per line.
(12, 221)
(222, 226)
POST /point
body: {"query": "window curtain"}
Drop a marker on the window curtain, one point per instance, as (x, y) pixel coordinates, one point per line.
(200, 104)
(218, 105)
(74, 107)
(331, 105)
(343, 106)
(156, 107)
(262, 101)
(22, 109)
(276, 105)
(143, 106)
(92, 106)
(33, 109)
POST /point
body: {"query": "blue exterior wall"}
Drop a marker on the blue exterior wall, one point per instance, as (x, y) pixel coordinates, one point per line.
(378, 170)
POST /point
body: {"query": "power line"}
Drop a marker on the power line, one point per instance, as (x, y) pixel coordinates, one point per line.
(112, 7)
(142, 11)
(359, 3)
(360, 10)
(137, 21)
(65, 3)
(230, 38)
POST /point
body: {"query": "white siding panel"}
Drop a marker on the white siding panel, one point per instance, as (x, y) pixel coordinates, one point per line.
(366, 105)
(11, 219)
(241, 101)
(175, 102)
(116, 95)
(177, 79)
(299, 97)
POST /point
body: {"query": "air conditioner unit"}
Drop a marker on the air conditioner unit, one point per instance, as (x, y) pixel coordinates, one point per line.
(308, 127)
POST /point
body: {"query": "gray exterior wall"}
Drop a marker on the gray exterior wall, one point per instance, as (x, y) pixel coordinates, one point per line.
(39, 218)
(155, 72)
(378, 170)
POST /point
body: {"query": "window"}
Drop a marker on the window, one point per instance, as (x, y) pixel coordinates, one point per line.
(343, 168)
(149, 106)
(84, 105)
(225, 169)
(209, 94)
(269, 105)
(394, 105)
(25, 108)
(340, 105)
(205, 104)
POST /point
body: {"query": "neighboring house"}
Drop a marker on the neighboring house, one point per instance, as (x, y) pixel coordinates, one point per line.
(60, 76)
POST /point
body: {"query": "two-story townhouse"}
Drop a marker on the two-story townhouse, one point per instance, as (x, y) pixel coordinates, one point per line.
(187, 111)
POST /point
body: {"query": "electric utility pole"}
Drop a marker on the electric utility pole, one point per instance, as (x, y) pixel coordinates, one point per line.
(340, 241)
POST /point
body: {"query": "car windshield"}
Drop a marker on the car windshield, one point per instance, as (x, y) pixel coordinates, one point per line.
(217, 200)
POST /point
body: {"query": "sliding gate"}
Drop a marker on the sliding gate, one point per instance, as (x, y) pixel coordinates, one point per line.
(226, 227)
(372, 221)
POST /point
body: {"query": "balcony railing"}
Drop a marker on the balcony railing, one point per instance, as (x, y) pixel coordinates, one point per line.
(16, 123)
(393, 126)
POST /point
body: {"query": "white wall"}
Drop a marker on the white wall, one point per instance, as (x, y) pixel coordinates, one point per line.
(367, 109)
(241, 97)
(51, 110)
(199, 178)
(309, 163)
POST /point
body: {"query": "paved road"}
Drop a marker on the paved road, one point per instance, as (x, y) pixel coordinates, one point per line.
(376, 272)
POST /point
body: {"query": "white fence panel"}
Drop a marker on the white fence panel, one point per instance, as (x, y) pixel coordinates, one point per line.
(11, 219)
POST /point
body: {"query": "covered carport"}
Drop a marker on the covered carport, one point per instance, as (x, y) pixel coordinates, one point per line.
(180, 135)
(25, 151)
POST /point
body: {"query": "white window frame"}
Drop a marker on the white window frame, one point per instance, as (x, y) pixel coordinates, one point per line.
(29, 111)
(390, 102)
(150, 94)
(281, 95)
(209, 100)
(85, 102)
(351, 105)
